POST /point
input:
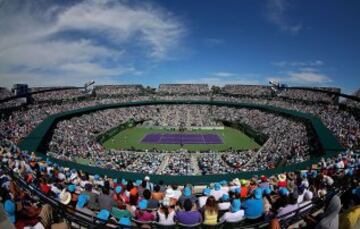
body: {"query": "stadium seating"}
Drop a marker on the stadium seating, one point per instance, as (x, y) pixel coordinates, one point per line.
(39, 192)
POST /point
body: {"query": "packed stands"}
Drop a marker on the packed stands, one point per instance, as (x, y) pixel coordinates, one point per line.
(47, 194)
(57, 95)
(36, 191)
(247, 90)
(313, 96)
(183, 89)
(113, 90)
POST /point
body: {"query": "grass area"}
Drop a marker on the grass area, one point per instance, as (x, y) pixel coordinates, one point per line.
(128, 138)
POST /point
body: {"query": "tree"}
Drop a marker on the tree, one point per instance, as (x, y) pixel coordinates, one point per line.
(215, 89)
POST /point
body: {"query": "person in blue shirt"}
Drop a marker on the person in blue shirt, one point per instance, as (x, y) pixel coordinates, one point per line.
(254, 207)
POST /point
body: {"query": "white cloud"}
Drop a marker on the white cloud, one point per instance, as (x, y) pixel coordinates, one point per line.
(315, 63)
(309, 77)
(222, 78)
(94, 38)
(223, 74)
(277, 14)
(303, 78)
(301, 72)
(44, 79)
(121, 22)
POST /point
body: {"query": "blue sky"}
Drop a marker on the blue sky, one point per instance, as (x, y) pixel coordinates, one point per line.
(310, 43)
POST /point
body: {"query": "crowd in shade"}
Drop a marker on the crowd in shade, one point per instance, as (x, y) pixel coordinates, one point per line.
(117, 200)
(313, 96)
(106, 90)
(247, 90)
(69, 94)
(341, 121)
(183, 89)
(288, 140)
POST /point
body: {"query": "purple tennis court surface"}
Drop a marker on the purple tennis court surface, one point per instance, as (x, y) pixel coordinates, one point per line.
(182, 139)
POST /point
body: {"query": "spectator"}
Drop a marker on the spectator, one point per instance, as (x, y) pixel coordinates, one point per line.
(93, 202)
(224, 203)
(151, 203)
(235, 214)
(142, 214)
(188, 216)
(166, 214)
(187, 194)
(211, 211)
(330, 219)
(254, 206)
(289, 207)
(157, 194)
(106, 200)
(82, 207)
(217, 192)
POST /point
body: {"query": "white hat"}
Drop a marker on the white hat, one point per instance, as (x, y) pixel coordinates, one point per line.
(305, 183)
(282, 177)
(65, 197)
(236, 182)
(61, 176)
(147, 178)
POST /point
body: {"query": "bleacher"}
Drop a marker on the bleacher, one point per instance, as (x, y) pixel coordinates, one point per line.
(183, 89)
(247, 90)
(113, 90)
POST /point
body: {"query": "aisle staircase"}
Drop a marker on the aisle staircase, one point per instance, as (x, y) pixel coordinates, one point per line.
(194, 162)
(163, 164)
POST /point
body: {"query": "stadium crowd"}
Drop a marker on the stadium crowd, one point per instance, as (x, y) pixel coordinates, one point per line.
(247, 90)
(69, 94)
(282, 146)
(313, 96)
(347, 129)
(117, 200)
(143, 200)
(109, 90)
(183, 88)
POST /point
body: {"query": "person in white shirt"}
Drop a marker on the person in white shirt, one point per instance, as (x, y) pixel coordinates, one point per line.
(165, 215)
(235, 214)
(176, 192)
(224, 203)
(217, 192)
